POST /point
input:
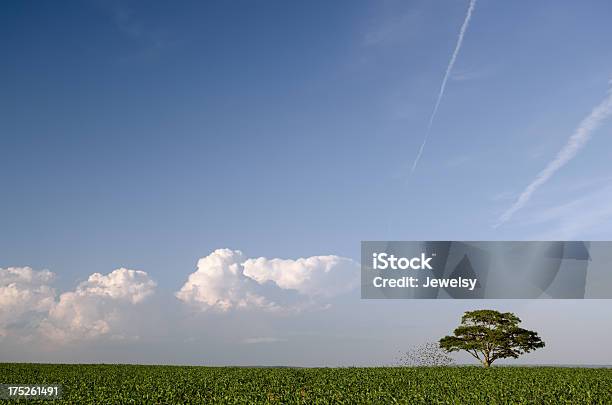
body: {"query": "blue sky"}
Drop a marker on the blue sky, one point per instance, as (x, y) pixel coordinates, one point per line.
(146, 135)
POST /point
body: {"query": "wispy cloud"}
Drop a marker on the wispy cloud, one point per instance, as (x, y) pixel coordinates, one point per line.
(579, 138)
(583, 217)
(449, 69)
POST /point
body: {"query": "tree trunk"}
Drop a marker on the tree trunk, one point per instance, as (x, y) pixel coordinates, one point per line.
(486, 363)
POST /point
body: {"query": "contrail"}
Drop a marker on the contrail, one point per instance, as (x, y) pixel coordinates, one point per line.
(449, 68)
(579, 138)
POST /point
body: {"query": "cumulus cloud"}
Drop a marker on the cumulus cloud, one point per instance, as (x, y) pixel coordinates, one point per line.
(94, 308)
(23, 292)
(97, 305)
(325, 276)
(25, 275)
(226, 280)
(77, 317)
(220, 283)
(121, 284)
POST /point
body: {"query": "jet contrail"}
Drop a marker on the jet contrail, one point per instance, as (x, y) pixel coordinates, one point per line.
(578, 139)
(449, 68)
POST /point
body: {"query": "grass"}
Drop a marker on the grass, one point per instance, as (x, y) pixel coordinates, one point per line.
(132, 384)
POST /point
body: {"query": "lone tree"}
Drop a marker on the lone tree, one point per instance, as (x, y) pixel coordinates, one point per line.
(490, 335)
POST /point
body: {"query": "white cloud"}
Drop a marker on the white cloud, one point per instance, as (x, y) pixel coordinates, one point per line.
(325, 276)
(77, 316)
(23, 292)
(121, 284)
(226, 280)
(97, 305)
(219, 283)
(25, 275)
(94, 308)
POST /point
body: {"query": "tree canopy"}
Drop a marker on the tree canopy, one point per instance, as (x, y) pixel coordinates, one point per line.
(490, 335)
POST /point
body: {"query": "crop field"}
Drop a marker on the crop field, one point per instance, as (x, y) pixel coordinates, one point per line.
(130, 384)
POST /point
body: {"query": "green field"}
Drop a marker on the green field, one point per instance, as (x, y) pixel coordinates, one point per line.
(113, 384)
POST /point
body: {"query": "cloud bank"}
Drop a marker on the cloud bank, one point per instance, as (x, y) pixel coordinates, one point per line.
(105, 305)
(579, 138)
